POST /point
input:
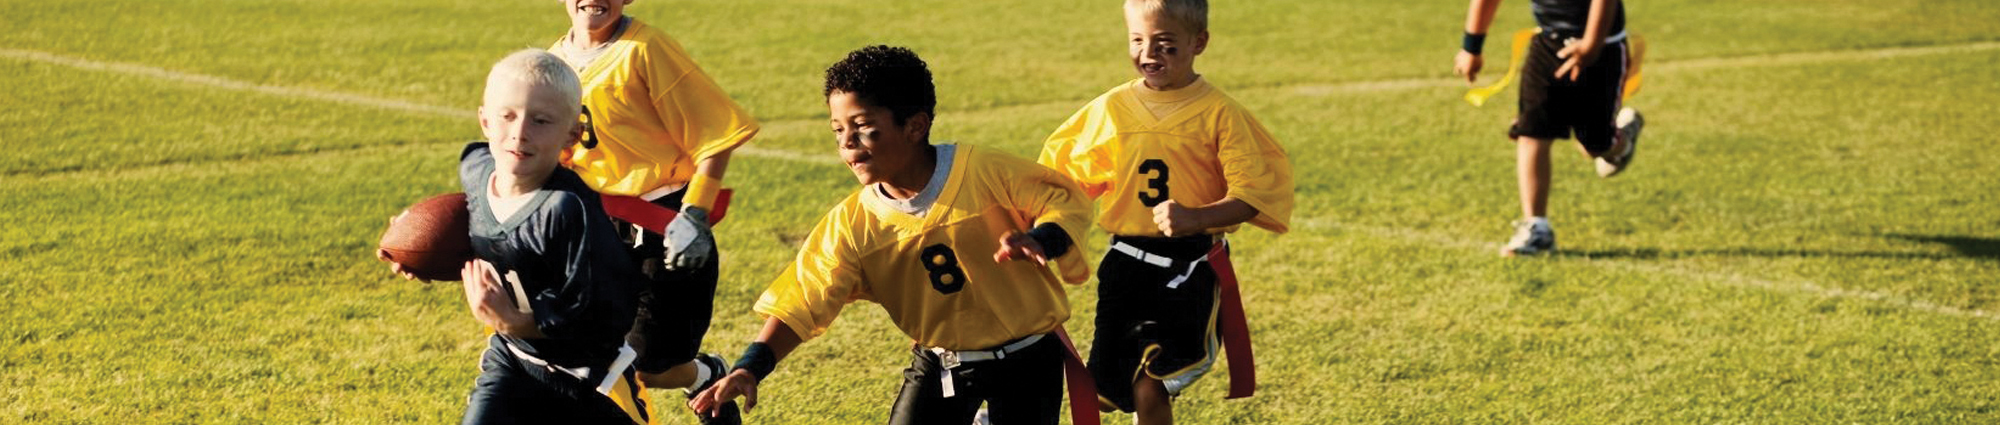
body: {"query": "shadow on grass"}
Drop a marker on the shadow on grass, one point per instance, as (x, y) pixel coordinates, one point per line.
(1966, 247)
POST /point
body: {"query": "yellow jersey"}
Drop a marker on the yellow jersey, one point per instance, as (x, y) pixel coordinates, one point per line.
(1134, 147)
(935, 273)
(655, 115)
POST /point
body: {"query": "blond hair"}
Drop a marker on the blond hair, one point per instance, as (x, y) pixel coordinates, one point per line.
(1192, 13)
(537, 67)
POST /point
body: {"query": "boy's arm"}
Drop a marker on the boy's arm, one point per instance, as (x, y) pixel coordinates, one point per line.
(1584, 51)
(1257, 173)
(776, 341)
(1058, 214)
(1478, 19)
(1177, 220)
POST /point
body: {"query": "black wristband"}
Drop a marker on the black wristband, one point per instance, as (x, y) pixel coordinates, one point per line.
(758, 360)
(1055, 242)
(1474, 43)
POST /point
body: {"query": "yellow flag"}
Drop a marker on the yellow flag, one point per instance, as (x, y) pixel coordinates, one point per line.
(1478, 96)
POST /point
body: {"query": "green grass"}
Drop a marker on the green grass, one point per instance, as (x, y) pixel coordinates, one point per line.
(1801, 241)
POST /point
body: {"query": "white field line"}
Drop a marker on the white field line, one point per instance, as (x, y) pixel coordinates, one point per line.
(315, 94)
(1801, 286)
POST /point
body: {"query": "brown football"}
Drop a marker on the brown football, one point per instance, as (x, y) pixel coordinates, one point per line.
(430, 239)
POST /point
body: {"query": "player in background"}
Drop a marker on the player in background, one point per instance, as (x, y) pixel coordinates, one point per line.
(1572, 81)
(663, 131)
(1174, 164)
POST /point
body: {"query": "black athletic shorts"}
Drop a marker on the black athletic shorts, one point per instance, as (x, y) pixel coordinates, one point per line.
(511, 390)
(675, 306)
(1551, 108)
(1144, 326)
(1026, 387)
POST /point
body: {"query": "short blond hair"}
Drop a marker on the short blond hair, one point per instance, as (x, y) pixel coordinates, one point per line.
(1193, 13)
(537, 67)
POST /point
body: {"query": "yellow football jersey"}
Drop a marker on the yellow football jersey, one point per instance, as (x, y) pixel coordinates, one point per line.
(1200, 148)
(935, 273)
(655, 115)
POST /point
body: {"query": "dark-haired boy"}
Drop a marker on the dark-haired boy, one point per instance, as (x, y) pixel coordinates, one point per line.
(952, 240)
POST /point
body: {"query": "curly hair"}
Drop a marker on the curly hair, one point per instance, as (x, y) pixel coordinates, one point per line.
(886, 76)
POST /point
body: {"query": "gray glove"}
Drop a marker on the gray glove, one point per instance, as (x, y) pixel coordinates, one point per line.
(689, 240)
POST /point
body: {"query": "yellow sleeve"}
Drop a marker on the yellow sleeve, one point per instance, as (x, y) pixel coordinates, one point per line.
(825, 277)
(1076, 150)
(1046, 196)
(697, 113)
(1256, 169)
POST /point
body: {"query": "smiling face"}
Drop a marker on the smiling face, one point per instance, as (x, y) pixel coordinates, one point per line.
(527, 125)
(1162, 49)
(873, 145)
(594, 15)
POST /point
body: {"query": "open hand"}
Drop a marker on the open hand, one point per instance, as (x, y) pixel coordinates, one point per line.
(1576, 54)
(737, 383)
(1020, 246)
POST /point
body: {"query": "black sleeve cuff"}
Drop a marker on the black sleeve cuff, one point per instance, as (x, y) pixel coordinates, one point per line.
(758, 360)
(1055, 242)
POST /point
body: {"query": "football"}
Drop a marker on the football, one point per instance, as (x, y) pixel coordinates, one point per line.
(429, 239)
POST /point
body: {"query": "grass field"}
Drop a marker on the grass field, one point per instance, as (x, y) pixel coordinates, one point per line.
(193, 190)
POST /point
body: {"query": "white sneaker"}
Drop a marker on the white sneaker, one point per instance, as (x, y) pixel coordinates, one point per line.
(1629, 124)
(1530, 239)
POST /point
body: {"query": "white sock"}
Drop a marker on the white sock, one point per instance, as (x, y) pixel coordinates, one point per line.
(1541, 222)
(701, 375)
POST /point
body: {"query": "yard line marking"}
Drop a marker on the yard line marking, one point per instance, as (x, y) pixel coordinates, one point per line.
(225, 83)
(321, 95)
(1728, 279)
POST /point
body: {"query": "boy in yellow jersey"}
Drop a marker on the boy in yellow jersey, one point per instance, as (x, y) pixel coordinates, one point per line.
(952, 240)
(1174, 165)
(663, 132)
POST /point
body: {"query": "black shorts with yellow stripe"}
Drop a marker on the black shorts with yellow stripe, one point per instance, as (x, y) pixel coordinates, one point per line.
(1156, 313)
(512, 389)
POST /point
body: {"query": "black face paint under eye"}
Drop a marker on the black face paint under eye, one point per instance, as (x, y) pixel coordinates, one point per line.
(1170, 50)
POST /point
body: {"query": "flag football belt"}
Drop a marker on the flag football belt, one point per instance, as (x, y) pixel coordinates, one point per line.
(1165, 262)
(953, 359)
(625, 357)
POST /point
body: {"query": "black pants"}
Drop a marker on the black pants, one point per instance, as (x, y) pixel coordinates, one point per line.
(1024, 388)
(511, 391)
(1145, 327)
(676, 306)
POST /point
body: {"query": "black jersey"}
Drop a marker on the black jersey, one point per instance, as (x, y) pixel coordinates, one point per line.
(562, 253)
(1568, 18)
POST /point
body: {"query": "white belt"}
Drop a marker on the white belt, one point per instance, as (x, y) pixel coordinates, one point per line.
(952, 359)
(625, 357)
(1163, 261)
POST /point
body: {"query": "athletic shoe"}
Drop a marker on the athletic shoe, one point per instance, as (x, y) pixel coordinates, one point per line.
(727, 413)
(1530, 239)
(1629, 123)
